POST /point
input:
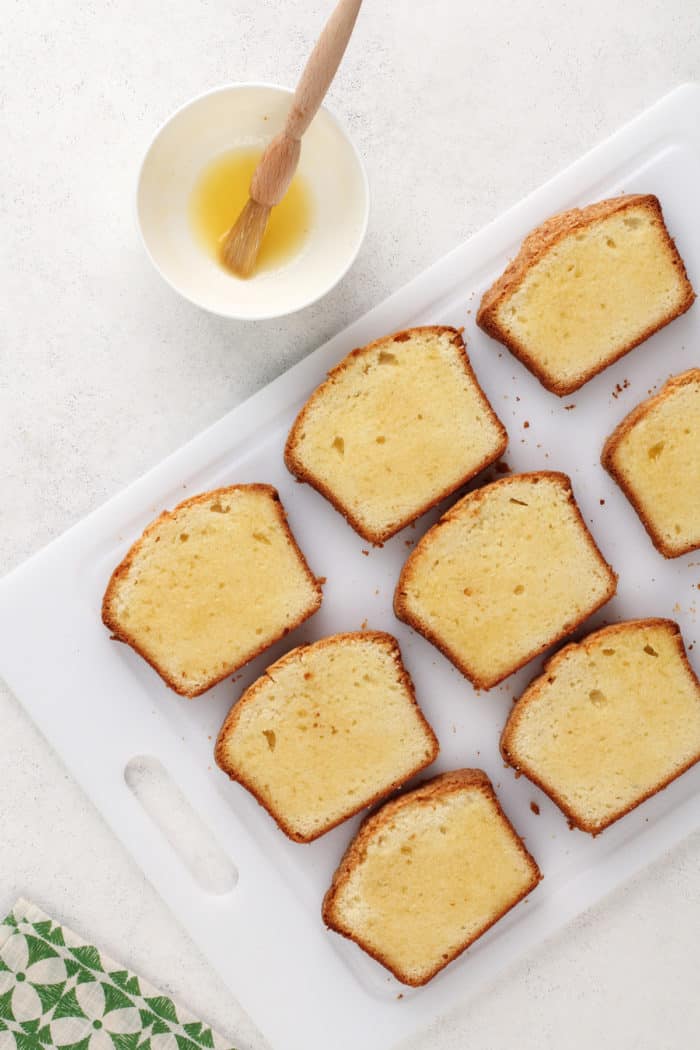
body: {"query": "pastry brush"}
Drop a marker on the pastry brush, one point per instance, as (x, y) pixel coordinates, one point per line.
(271, 179)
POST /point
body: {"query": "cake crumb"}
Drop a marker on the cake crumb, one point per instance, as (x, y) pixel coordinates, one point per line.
(526, 424)
(365, 552)
(535, 808)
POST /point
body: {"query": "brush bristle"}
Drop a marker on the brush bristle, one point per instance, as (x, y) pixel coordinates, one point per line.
(241, 245)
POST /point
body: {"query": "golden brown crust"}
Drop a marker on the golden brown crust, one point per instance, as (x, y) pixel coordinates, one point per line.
(119, 634)
(299, 470)
(534, 690)
(404, 613)
(535, 246)
(380, 637)
(444, 783)
(539, 240)
(607, 458)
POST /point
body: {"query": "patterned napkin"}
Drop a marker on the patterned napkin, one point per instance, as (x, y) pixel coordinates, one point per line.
(58, 991)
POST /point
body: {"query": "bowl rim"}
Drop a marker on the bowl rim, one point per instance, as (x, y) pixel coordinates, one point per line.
(267, 315)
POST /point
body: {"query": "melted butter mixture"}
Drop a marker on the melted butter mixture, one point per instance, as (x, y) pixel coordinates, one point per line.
(220, 194)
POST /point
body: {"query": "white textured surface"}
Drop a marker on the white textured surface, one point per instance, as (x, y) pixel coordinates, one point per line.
(457, 113)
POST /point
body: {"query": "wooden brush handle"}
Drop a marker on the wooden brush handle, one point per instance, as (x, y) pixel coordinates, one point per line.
(279, 161)
(321, 67)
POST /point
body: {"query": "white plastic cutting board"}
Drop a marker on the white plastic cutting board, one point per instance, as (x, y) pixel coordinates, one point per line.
(100, 705)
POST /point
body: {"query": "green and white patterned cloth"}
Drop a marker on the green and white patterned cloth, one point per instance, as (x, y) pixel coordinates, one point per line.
(58, 991)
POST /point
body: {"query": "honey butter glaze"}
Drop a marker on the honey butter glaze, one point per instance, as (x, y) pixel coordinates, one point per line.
(219, 195)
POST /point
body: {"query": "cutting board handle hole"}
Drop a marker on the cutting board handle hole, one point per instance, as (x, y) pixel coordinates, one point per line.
(154, 788)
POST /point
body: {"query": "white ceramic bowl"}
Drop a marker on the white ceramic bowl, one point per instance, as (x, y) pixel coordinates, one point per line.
(248, 115)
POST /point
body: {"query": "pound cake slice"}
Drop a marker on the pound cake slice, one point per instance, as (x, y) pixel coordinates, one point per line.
(510, 569)
(428, 874)
(327, 730)
(210, 585)
(654, 456)
(397, 426)
(612, 720)
(586, 287)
